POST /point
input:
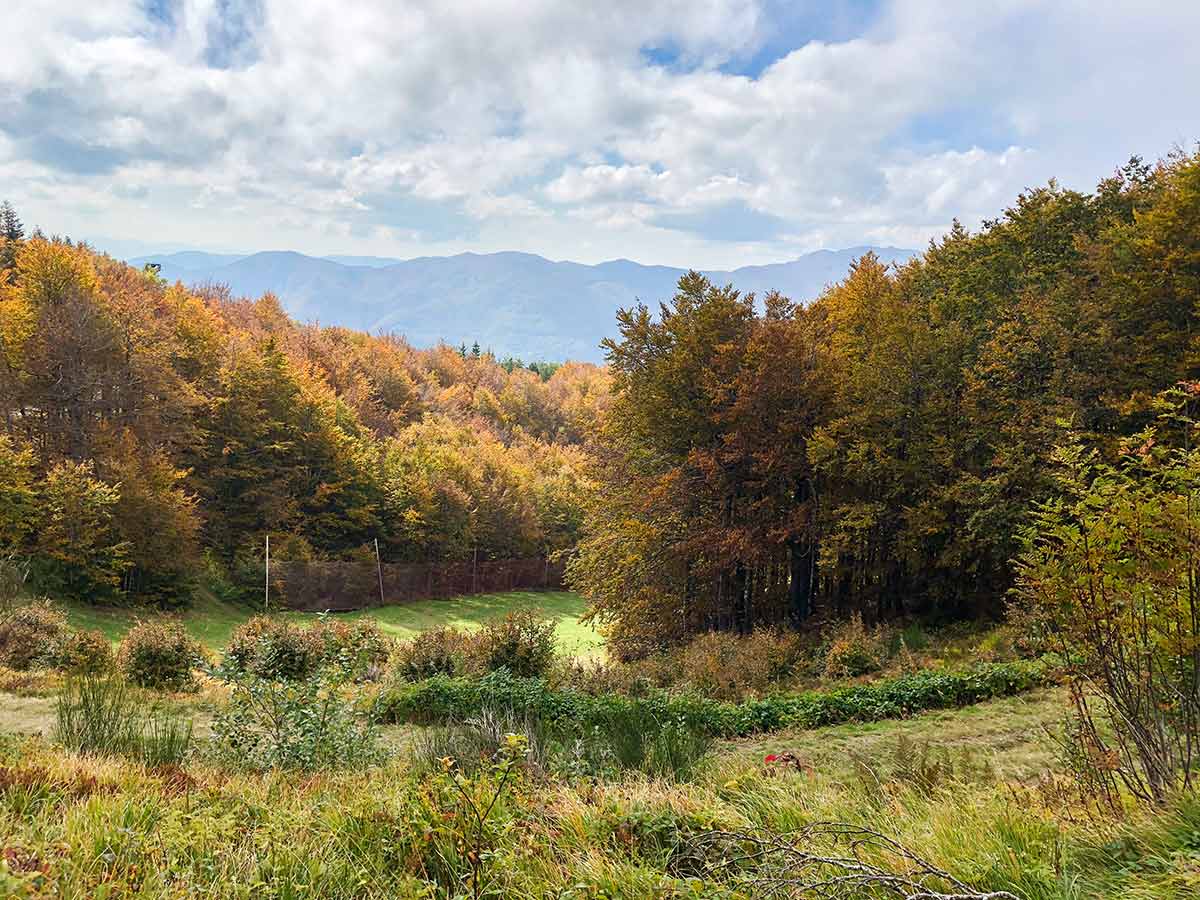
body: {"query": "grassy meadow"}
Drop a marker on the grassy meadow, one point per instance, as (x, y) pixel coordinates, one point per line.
(586, 781)
(211, 621)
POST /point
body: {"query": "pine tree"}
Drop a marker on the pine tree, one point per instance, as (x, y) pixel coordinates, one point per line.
(11, 227)
(11, 233)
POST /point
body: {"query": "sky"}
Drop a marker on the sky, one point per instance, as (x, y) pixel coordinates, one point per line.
(699, 133)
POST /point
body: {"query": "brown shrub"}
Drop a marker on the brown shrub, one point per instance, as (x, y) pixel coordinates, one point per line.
(270, 647)
(31, 635)
(357, 646)
(159, 655)
(85, 653)
(854, 650)
(728, 667)
(522, 642)
(439, 651)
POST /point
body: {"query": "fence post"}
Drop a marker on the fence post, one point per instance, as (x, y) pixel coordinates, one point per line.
(267, 578)
(379, 569)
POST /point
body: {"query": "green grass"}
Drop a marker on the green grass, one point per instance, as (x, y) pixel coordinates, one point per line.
(107, 826)
(1009, 733)
(211, 622)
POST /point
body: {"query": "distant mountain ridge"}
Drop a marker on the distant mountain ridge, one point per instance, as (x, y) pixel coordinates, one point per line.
(512, 303)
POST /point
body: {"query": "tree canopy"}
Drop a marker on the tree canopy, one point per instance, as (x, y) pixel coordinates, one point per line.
(881, 449)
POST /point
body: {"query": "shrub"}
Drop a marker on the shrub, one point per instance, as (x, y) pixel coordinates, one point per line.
(84, 653)
(854, 650)
(1107, 578)
(293, 725)
(728, 666)
(274, 648)
(269, 647)
(439, 651)
(636, 678)
(522, 642)
(159, 655)
(31, 635)
(356, 647)
(445, 699)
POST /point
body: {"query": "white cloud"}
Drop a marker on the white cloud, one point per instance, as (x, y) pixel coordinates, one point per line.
(579, 130)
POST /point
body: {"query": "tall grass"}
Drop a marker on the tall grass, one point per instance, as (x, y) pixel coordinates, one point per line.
(629, 739)
(98, 715)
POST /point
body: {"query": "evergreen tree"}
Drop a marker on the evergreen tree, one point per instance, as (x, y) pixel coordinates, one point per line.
(11, 228)
(11, 234)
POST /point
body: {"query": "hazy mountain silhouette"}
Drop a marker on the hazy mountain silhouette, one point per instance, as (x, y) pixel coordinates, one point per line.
(512, 303)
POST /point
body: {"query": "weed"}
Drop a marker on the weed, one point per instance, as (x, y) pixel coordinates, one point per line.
(97, 715)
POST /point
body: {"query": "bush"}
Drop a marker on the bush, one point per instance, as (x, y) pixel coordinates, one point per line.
(269, 647)
(854, 650)
(522, 642)
(274, 648)
(159, 655)
(1107, 578)
(439, 651)
(84, 653)
(358, 648)
(31, 635)
(446, 699)
(728, 666)
(293, 725)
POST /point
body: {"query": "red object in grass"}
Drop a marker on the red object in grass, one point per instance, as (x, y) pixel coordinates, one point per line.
(770, 757)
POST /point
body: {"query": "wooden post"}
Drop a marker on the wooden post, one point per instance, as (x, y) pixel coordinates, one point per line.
(475, 571)
(379, 569)
(267, 578)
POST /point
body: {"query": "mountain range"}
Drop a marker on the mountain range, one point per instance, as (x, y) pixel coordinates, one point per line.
(512, 303)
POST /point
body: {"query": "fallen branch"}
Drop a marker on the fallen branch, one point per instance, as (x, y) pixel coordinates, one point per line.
(792, 866)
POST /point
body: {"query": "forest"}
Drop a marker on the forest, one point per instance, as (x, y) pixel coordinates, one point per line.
(153, 436)
(741, 461)
(883, 450)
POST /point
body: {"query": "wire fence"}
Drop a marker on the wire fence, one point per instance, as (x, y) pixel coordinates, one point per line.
(344, 586)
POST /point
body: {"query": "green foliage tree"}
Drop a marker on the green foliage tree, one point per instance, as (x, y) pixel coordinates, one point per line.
(12, 232)
(77, 552)
(17, 495)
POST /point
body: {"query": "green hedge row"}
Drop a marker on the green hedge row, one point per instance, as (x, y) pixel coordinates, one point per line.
(444, 698)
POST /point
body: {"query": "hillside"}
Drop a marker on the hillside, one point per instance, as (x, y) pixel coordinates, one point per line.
(514, 303)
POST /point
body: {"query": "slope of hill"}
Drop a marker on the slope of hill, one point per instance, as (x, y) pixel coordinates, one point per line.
(513, 303)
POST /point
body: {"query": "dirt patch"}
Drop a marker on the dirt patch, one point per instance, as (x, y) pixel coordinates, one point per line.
(26, 715)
